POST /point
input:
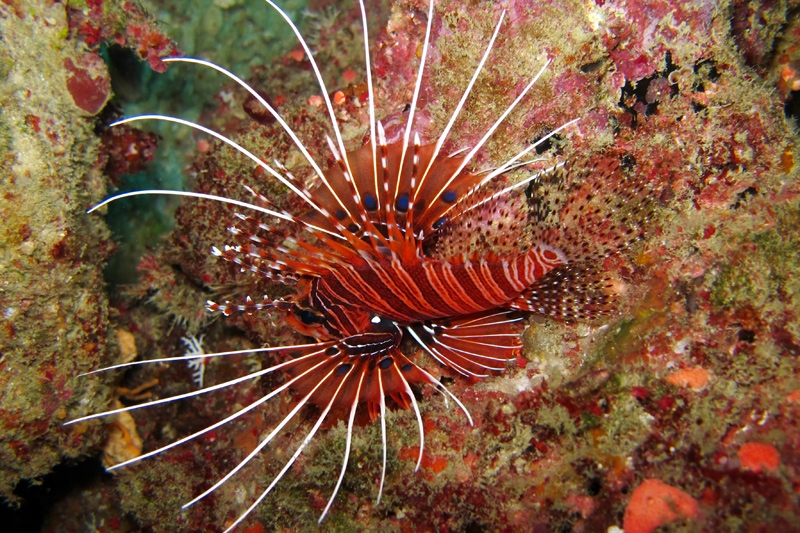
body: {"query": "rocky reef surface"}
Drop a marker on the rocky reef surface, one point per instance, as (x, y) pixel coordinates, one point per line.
(680, 413)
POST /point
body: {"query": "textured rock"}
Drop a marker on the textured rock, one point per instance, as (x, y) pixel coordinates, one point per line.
(588, 413)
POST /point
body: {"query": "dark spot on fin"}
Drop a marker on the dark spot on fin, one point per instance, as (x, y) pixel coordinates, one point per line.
(370, 203)
(402, 203)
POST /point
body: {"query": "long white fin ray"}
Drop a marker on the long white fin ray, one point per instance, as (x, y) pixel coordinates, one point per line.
(266, 440)
(239, 148)
(221, 423)
(269, 108)
(491, 130)
(420, 425)
(221, 199)
(460, 105)
(348, 441)
(297, 452)
(192, 394)
(334, 122)
(443, 359)
(371, 96)
(383, 438)
(415, 98)
(194, 356)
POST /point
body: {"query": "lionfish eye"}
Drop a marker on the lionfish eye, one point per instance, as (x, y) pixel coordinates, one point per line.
(307, 317)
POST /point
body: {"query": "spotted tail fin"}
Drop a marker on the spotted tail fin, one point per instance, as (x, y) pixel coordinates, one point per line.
(575, 291)
(590, 212)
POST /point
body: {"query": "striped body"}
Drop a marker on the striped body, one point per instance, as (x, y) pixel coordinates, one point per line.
(425, 288)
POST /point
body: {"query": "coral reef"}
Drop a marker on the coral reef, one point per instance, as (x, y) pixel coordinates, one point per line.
(688, 400)
(55, 315)
(56, 322)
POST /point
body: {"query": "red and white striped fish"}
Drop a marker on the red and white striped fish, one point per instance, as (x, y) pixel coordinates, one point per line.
(397, 247)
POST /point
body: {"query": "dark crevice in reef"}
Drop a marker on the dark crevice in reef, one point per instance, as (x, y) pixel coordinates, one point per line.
(127, 72)
(38, 497)
(546, 145)
(742, 197)
(704, 69)
(792, 106)
(642, 97)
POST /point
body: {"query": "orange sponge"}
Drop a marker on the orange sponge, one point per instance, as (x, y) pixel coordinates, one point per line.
(654, 503)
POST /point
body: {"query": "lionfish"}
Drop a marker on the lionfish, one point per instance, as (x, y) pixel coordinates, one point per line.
(397, 249)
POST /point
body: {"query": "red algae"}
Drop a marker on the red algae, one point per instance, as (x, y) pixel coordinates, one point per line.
(123, 23)
(654, 504)
(88, 82)
(126, 151)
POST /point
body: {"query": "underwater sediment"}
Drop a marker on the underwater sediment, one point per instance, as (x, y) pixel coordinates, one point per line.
(686, 401)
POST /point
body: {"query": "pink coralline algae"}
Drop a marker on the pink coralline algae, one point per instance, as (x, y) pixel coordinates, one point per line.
(694, 378)
(123, 23)
(640, 34)
(759, 457)
(150, 43)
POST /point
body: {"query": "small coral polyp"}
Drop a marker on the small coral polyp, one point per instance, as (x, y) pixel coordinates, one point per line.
(400, 248)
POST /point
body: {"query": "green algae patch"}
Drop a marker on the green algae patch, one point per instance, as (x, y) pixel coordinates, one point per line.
(765, 266)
